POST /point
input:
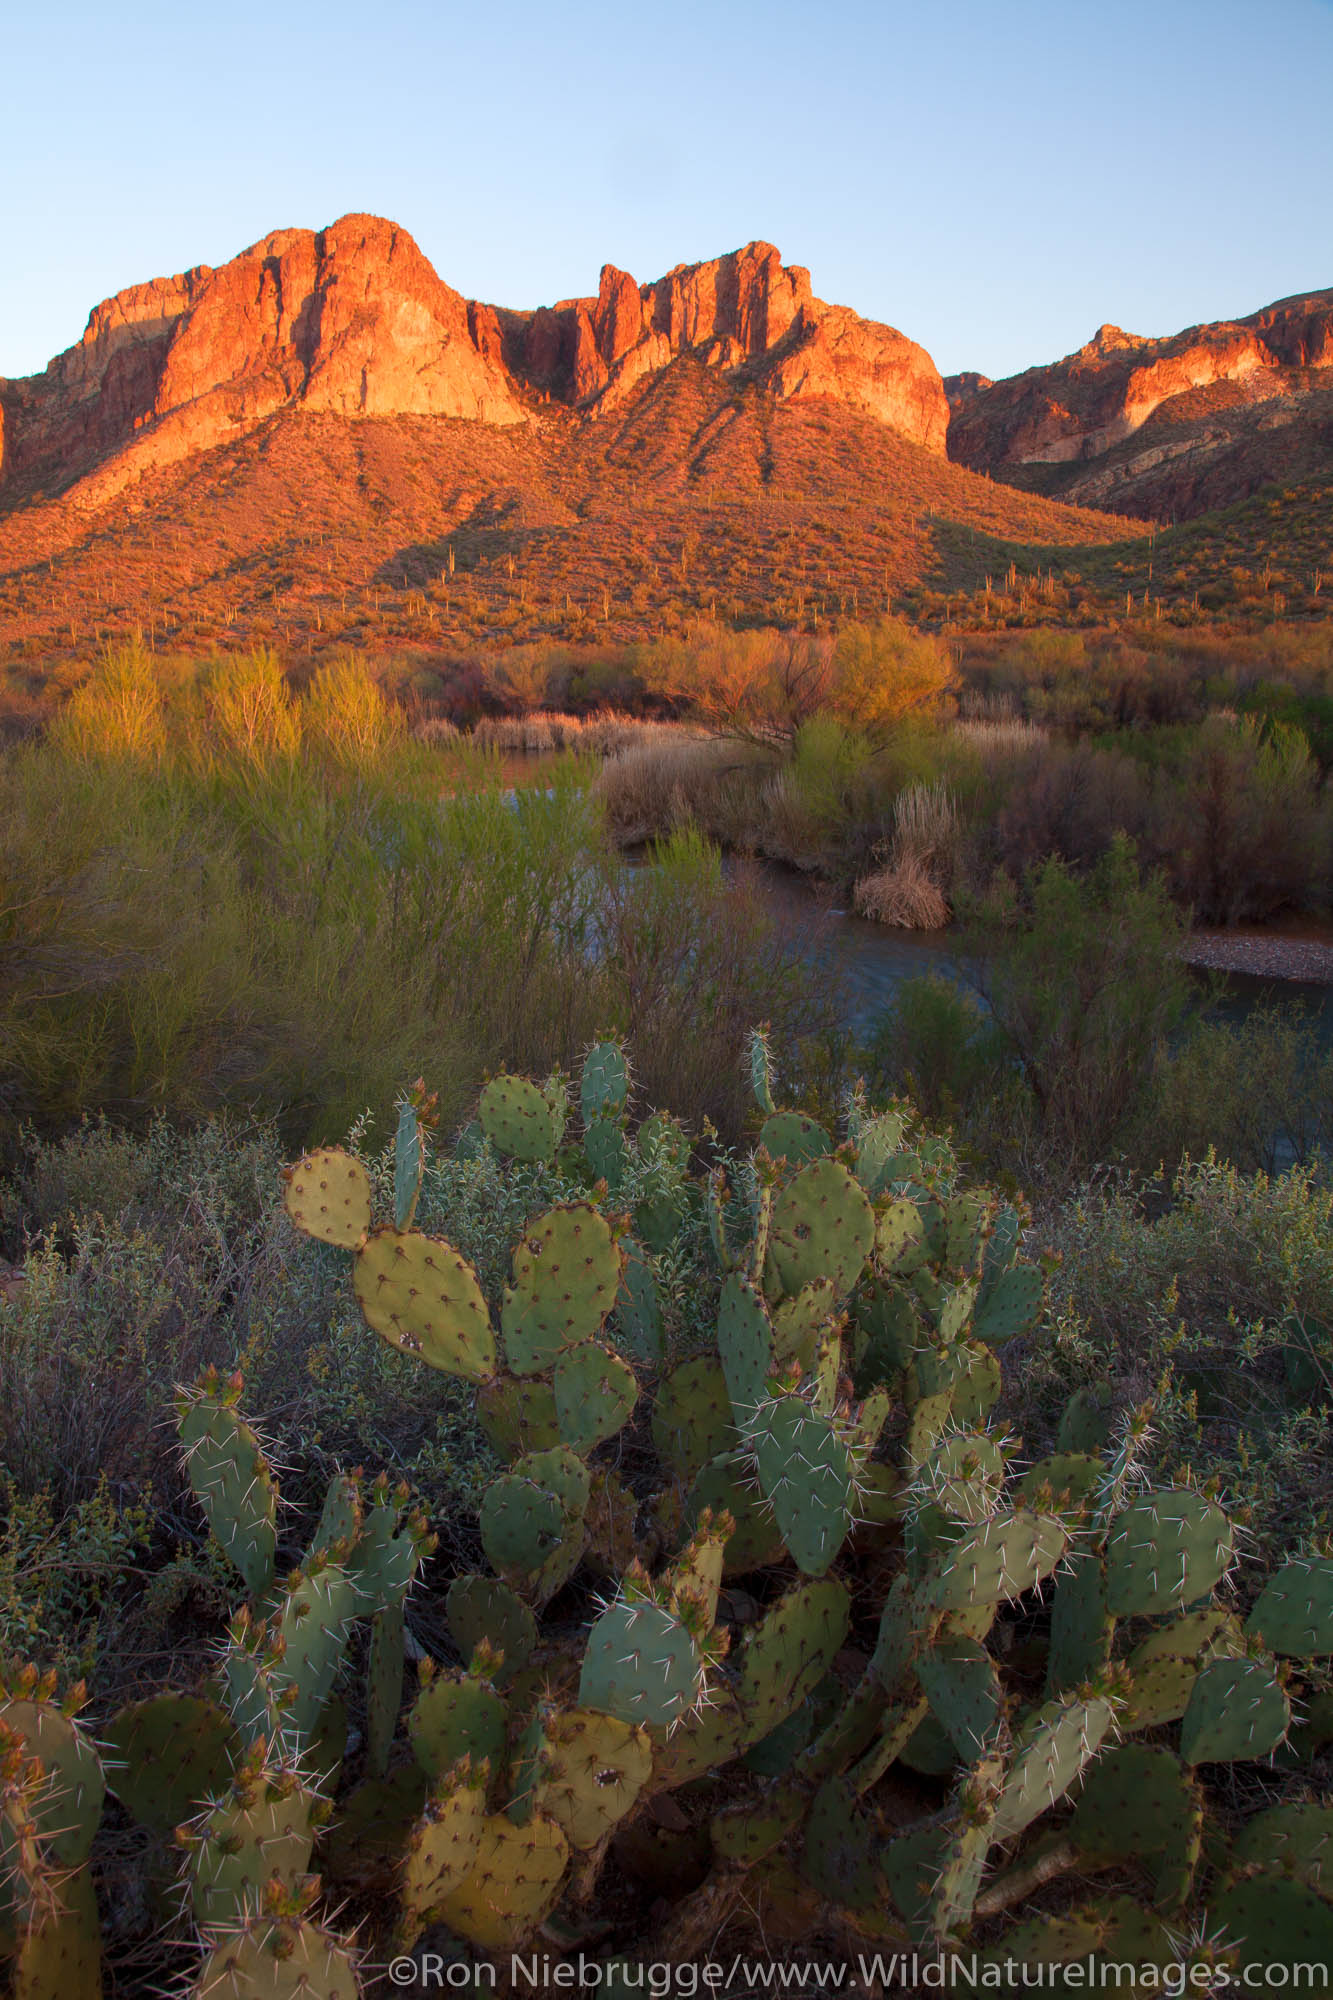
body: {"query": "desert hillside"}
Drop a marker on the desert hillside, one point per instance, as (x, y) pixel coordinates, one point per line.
(1165, 428)
(321, 442)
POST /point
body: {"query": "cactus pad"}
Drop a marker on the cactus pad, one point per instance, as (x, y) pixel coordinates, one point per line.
(59, 1950)
(999, 1559)
(567, 1268)
(1236, 1709)
(642, 1665)
(517, 1413)
(967, 1226)
(605, 1149)
(745, 1344)
(1066, 1480)
(522, 1527)
(977, 1388)
(1164, 1551)
(878, 1141)
(823, 1227)
(328, 1197)
(1138, 1803)
(1164, 1667)
(887, 1316)
(692, 1421)
(262, 1828)
(68, 1809)
(311, 1626)
(278, 1959)
(639, 1304)
(788, 1652)
(1279, 1923)
(964, 1476)
(409, 1160)
(743, 1834)
(514, 1882)
(959, 1680)
(603, 1082)
(1050, 1751)
(595, 1394)
(807, 1475)
(612, 1523)
(1294, 1840)
(1081, 1627)
(441, 1850)
(424, 1299)
(1294, 1612)
(592, 1768)
(791, 1136)
(230, 1477)
(388, 1550)
(1010, 1306)
(520, 1119)
(899, 1232)
(166, 1753)
(457, 1716)
(481, 1607)
(798, 1322)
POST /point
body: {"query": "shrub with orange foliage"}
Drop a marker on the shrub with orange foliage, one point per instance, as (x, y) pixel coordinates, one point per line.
(765, 684)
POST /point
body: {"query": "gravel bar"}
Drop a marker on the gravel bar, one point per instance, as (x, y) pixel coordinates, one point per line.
(1262, 954)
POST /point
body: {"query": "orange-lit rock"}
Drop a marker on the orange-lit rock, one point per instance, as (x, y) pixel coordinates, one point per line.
(1198, 389)
(352, 320)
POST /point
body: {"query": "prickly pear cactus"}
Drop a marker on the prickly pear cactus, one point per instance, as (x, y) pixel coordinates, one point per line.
(230, 1476)
(521, 1119)
(764, 1614)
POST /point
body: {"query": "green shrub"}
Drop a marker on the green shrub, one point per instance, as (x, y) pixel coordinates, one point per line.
(1257, 1092)
(935, 1044)
(1218, 1307)
(1085, 982)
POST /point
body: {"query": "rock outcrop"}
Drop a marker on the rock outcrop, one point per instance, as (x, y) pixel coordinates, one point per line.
(746, 313)
(353, 320)
(1199, 391)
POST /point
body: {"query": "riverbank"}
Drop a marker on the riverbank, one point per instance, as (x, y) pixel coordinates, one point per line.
(1284, 953)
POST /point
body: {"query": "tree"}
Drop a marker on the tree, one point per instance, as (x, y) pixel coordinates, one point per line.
(1085, 981)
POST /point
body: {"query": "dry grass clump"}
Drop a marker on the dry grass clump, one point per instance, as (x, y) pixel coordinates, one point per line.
(604, 734)
(528, 735)
(1001, 737)
(902, 894)
(672, 779)
(436, 730)
(909, 890)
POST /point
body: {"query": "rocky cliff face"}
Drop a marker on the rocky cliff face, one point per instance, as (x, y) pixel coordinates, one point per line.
(1147, 426)
(353, 320)
(746, 313)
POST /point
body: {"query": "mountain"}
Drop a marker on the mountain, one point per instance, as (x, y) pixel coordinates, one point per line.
(1163, 429)
(321, 443)
(352, 321)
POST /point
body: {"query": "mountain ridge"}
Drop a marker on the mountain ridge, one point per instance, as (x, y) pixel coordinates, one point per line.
(321, 443)
(1160, 426)
(353, 320)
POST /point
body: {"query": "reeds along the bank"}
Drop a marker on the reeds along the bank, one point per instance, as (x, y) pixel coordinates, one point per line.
(1001, 736)
(671, 779)
(909, 890)
(605, 733)
(902, 894)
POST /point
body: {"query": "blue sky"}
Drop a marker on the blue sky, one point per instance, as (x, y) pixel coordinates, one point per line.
(996, 181)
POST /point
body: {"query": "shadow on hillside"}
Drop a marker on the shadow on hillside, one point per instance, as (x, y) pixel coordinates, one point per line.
(497, 529)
